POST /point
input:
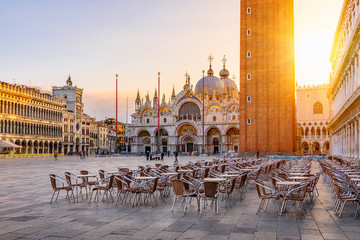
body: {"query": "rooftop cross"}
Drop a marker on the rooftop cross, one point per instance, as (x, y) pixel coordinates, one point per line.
(210, 58)
(224, 60)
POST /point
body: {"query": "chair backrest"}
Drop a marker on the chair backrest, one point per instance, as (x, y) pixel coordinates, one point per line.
(84, 172)
(111, 181)
(211, 189)
(67, 176)
(102, 174)
(155, 184)
(119, 183)
(53, 180)
(243, 180)
(178, 186)
(260, 190)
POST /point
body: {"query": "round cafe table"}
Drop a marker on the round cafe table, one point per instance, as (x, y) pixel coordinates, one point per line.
(214, 179)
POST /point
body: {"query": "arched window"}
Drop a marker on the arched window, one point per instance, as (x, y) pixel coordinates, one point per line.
(318, 108)
(214, 118)
(147, 121)
(164, 120)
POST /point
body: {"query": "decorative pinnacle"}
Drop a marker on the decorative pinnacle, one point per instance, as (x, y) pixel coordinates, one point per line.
(224, 60)
(159, 74)
(210, 58)
(203, 72)
(116, 75)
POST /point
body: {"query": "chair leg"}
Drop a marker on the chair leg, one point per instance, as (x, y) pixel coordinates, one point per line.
(217, 205)
(172, 209)
(91, 196)
(117, 200)
(57, 196)
(186, 203)
(341, 208)
(266, 204)
(259, 207)
(52, 196)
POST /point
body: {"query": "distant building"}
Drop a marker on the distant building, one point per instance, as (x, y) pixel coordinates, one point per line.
(313, 113)
(94, 136)
(267, 76)
(112, 139)
(103, 135)
(121, 136)
(181, 118)
(76, 123)
(31, 118)
(344, 90)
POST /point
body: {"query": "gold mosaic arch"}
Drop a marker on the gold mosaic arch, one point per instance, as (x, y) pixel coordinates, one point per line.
(214, 109)
(185, 129)
(165, 111)
(233, 109)
(147, 113)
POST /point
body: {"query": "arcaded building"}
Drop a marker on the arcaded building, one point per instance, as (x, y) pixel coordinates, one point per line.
(344, 90)
(312, 114)
(31, 118)
(181, 118)
(267, 76)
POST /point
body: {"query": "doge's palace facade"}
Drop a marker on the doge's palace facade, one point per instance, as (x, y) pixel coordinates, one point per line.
(30, 118)
(344, 90)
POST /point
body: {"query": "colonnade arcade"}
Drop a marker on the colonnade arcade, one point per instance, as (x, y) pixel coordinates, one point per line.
(345, 140)
(37, 146)
(186, 139)
(314, 138)
(25, 128)
(30, 111)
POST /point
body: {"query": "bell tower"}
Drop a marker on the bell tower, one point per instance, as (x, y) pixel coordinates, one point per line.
(267, 76)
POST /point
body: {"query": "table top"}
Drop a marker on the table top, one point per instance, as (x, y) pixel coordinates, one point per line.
(355, 179)
(185, 170)
(298, 178)
(246, 169)
(297, 173)
(86, 175)
(214, 179)
(144, 178)
(228, 175)
(288, 183)
(232, 172)
(168, 174)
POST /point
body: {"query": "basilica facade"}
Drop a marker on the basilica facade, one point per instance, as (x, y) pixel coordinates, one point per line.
(204, 118)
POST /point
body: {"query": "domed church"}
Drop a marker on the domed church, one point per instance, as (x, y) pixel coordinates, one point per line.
(181, 118)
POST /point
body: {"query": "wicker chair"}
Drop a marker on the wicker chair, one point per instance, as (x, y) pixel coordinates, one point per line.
(65, 185)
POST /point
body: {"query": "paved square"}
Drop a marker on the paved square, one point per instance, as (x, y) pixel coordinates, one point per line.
(25, 212)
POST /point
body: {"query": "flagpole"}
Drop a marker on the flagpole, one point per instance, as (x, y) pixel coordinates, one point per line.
(116, 123)
(159, 111)
(203, 126)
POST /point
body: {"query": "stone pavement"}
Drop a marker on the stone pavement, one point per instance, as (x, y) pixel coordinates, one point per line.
(25, 212)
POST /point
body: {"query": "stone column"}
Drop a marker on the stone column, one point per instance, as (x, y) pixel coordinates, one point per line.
(26, 148)
(32, 148)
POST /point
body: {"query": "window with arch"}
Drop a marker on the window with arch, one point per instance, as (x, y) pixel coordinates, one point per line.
(214, 118)
(164, 120)
(147, 121)
(318, 108)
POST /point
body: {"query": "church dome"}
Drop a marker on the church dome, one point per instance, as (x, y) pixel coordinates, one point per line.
(224, 73)
(230, 87)
(213, 85)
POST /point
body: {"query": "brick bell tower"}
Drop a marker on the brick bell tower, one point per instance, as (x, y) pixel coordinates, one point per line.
(267, 76)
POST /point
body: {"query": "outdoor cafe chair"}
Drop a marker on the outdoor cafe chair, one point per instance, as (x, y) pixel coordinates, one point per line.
(210, 191)
(105, 188)
(69, 177)
(266, 193)
(180, 191)
(122, 188)
(343, 198)
(88, 182)
(148, 189)
(296, 194)
(240, 185)
(227, 190)
(65, 185)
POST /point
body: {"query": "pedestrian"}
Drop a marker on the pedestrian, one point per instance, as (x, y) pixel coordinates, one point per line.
(162, 155)
(176, 155)
(168, 153)
(257, 154)
(84, 154)
(147, 155)
(150, 157)
(55, 155)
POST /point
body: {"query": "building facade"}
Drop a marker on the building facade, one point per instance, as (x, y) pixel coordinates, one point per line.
(31, 119)
(94, 137)
(121, 135)
(267, 76)
(76, 123)
(181, 118)
(313, 116)
(344, 90)
(103, 135)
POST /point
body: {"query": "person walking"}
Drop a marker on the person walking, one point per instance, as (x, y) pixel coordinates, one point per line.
(162, 155)
(55, 155)
(150, 157)
(257, 154)
(176, 155)
(147, 155)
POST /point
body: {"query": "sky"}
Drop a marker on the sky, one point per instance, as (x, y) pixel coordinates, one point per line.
(43, 41)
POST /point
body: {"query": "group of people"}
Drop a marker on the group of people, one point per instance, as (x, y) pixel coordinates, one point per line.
(150, 157)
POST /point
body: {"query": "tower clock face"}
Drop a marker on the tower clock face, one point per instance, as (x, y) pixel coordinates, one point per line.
(77, 127)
